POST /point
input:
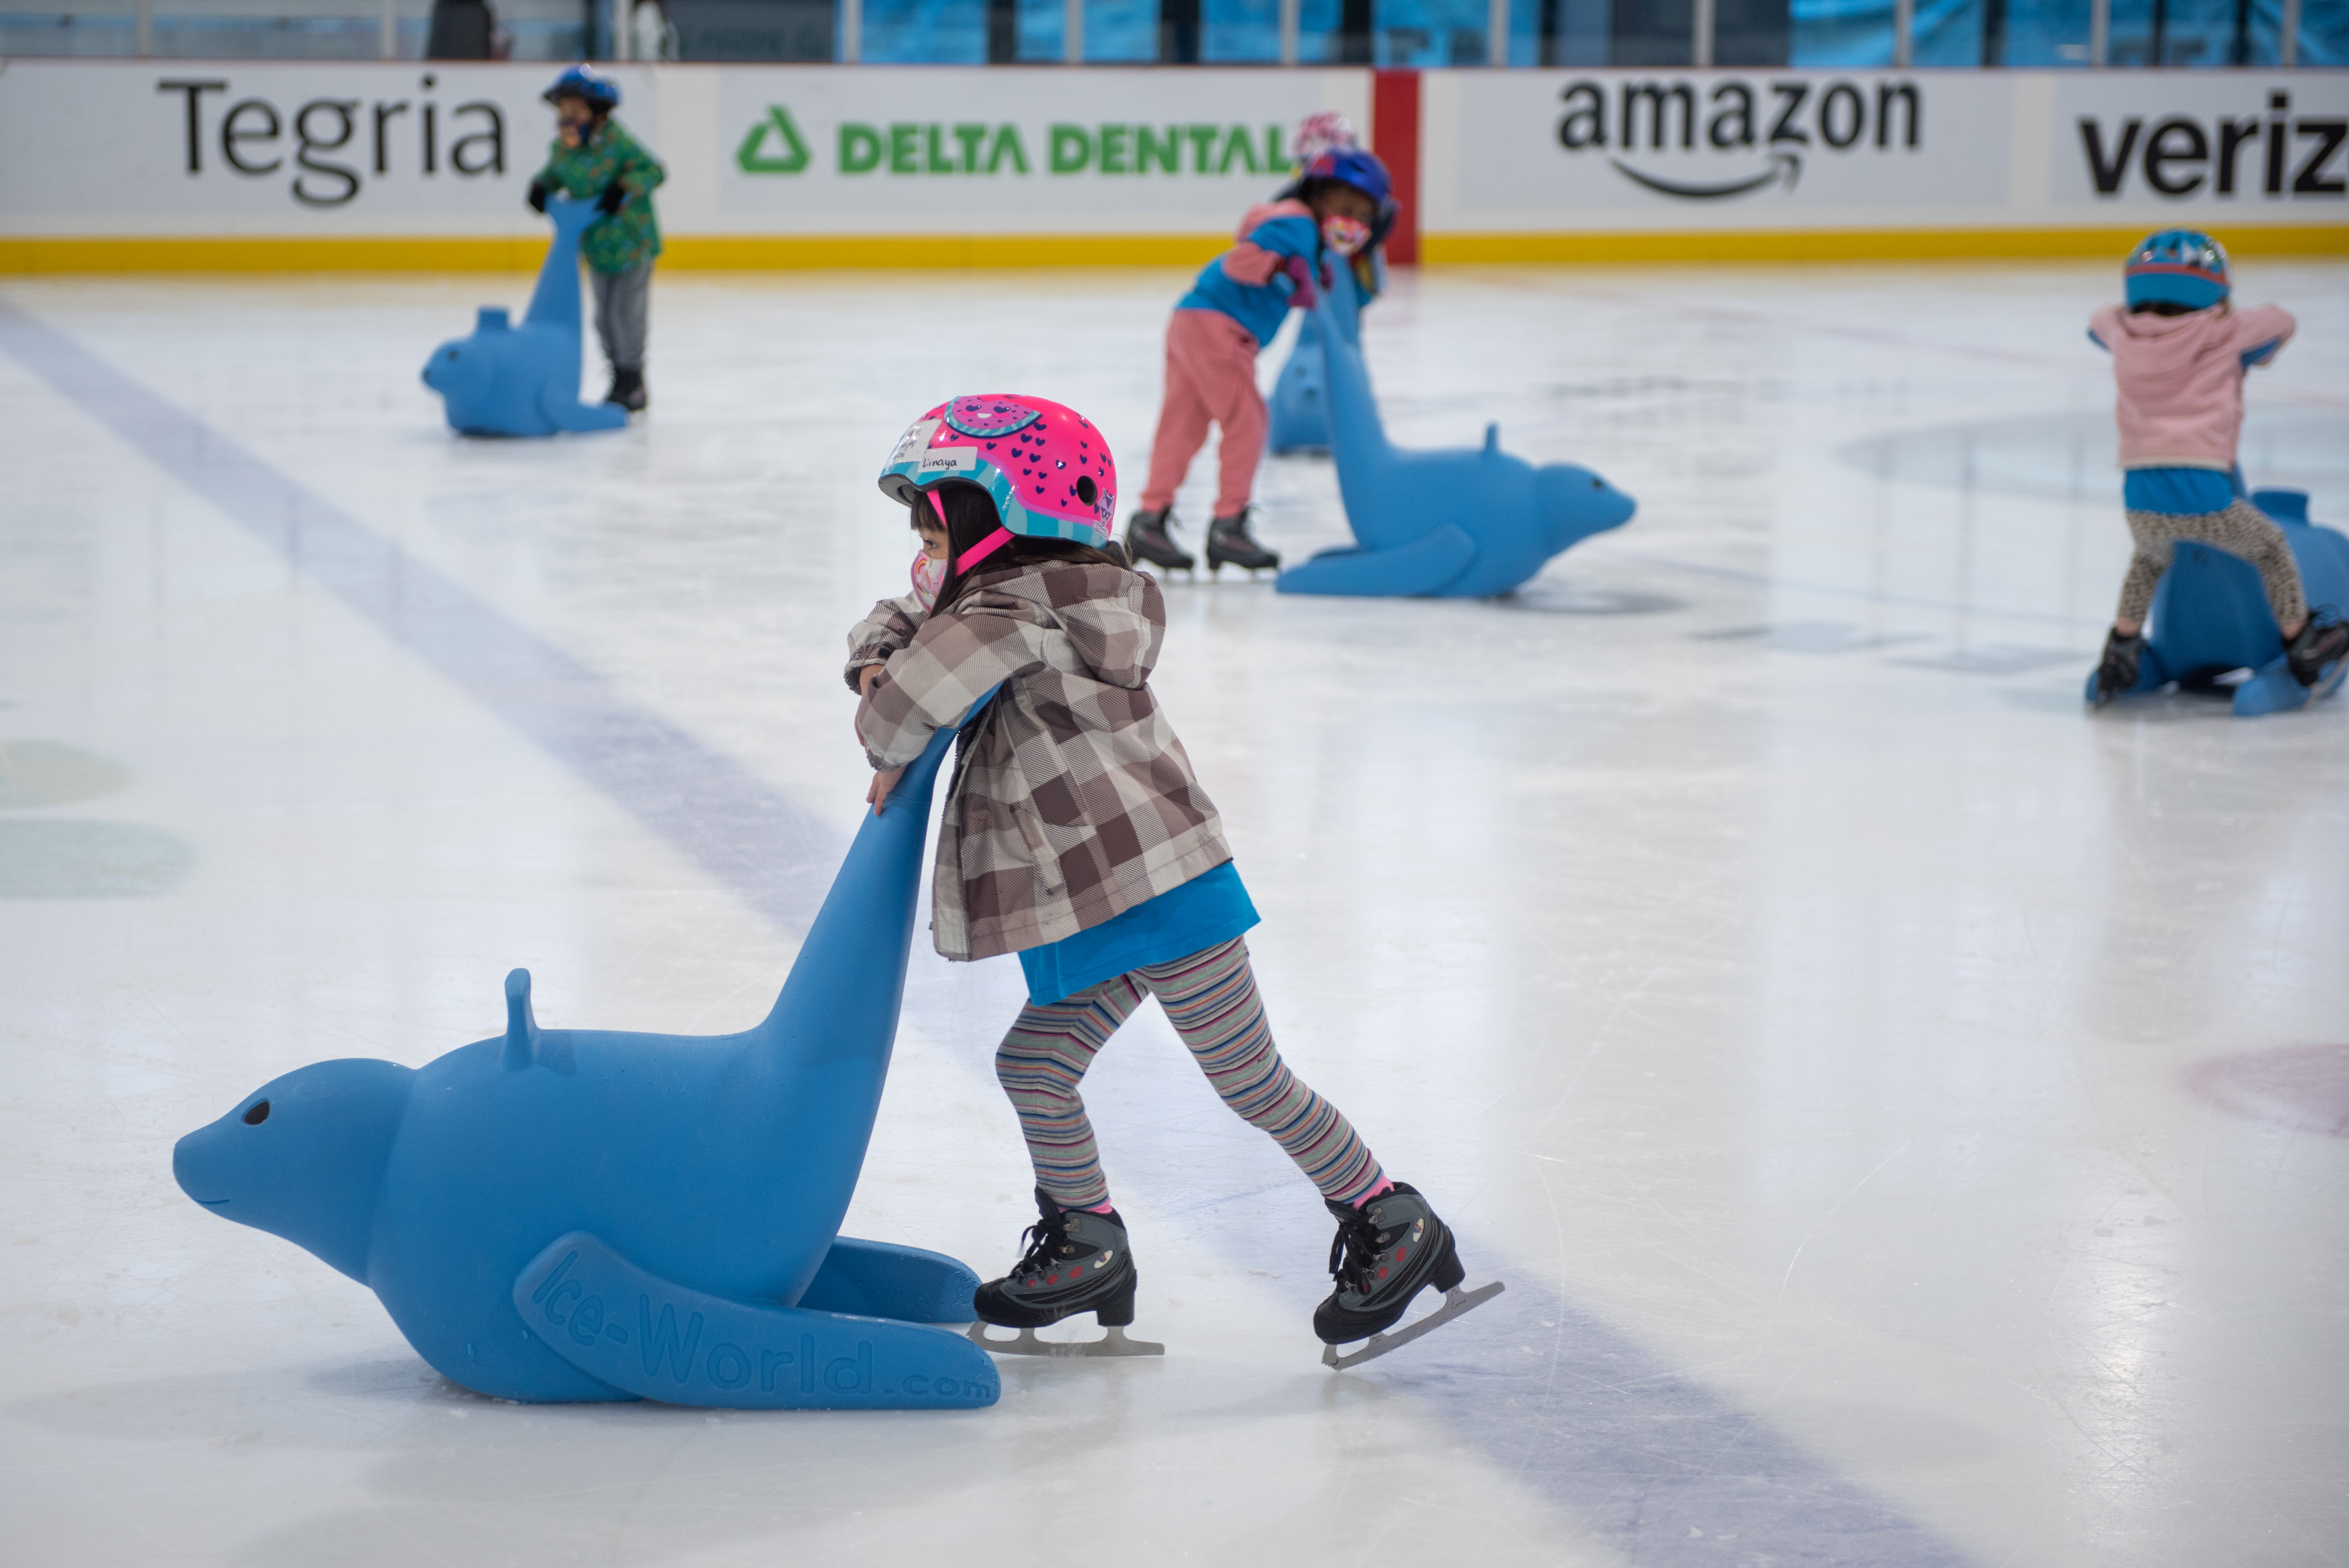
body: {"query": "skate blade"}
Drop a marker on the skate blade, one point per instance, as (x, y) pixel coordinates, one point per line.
(1455, 1302)
(1113, 1342)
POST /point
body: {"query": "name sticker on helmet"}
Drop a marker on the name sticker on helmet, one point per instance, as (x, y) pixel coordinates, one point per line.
(947, 460)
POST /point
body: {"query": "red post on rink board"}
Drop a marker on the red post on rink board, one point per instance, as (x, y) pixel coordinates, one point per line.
(1394, 137)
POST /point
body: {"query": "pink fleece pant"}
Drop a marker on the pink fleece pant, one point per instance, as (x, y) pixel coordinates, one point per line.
(1210, 379)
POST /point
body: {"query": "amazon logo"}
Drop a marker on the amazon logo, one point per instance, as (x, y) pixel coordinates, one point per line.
(1779, 122)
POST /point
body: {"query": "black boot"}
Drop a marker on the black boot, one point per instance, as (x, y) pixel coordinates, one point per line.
(1147, 535)
(627, 390)
(2118, 671)
(2320, 646)
(1386, 1252)
(1076, 1261)
(1229, 542)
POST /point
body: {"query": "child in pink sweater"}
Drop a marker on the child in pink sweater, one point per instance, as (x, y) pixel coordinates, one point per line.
(2180, 351)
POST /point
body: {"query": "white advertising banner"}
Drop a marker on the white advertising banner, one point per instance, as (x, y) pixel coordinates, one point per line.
(295, 148)
(1628, 149)
(312, 149)
(2252, 146)
(825, 163)
(1600, 151)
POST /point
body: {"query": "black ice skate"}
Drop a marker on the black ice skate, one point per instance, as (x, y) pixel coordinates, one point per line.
(1387, 1252)
(1228, 544)
(1076, 1261)
(1147, 535)
(2118, 671)
(2321, 643)
(627, 390)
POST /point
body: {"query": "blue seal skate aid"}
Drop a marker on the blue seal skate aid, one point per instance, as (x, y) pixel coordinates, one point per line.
(2210, 616)
(577, 1214)
(1460, 523)
(1299, 408)
(508, 380)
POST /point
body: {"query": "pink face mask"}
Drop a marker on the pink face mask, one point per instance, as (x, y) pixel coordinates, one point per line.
(930, 576)
(1344, 235)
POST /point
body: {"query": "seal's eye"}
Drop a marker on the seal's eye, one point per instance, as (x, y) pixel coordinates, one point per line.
(258, 1114)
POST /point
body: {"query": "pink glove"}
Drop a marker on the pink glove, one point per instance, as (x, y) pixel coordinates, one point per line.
(1300, 271)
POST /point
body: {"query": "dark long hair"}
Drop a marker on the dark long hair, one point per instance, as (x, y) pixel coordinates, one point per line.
(971, 516)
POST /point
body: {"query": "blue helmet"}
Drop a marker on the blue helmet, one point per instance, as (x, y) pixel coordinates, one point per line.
(1352, 166)
(2178, 266)
(1363, 171)
(585, 82)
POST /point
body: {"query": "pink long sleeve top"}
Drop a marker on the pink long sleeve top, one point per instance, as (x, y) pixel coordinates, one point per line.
(2180, 379)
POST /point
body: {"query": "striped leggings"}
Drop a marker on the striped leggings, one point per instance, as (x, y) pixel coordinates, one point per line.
(1211, 999)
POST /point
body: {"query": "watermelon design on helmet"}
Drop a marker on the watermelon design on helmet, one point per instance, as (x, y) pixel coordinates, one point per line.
(1047, 468)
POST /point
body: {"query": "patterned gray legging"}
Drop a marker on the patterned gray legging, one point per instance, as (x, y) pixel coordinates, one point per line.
(2243, 529)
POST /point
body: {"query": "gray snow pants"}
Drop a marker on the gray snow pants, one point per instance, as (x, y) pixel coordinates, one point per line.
(2242, 530)
(623, 305)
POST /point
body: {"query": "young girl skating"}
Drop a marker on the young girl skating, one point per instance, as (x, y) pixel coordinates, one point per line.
(1337, 214)
(2180, 351)
(1076, 835)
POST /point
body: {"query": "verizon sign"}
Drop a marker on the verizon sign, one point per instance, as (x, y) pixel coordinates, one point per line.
(2208, 142)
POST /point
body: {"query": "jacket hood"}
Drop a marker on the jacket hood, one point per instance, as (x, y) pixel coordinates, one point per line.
(2161, 340)
(1115, 620)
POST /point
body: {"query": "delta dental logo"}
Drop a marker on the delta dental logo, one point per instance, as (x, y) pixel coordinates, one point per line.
(775, 146)
(1777, 122)
(2179, 156)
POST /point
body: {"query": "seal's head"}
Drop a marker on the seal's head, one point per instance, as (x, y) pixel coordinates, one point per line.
(303, 1156)
(462, 368)
(1576, 503)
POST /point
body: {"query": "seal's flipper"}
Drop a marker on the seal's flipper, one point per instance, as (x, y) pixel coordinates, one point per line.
(567, 413)
(1425, 565)
(2275, 689)
(661, 1341)
(875, 1279)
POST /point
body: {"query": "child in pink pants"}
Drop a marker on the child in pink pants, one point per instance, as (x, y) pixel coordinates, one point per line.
(1339, 209)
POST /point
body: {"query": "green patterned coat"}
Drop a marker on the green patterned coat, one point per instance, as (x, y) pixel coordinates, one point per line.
(631, 235)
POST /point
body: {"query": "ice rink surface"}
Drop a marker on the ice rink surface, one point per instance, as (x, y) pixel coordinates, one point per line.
(1909, 1113)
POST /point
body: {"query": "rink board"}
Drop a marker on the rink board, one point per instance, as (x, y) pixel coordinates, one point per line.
(367, 166)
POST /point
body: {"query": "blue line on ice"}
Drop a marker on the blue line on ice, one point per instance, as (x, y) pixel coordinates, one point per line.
(741, 830)
(1599, 1423)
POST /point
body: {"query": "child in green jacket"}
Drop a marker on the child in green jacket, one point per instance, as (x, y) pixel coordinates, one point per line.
(593, 158)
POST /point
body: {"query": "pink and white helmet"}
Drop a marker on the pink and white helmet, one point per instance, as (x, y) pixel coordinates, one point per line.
(1045, 464)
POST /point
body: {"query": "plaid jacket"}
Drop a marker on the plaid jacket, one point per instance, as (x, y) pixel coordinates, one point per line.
(1073, 799)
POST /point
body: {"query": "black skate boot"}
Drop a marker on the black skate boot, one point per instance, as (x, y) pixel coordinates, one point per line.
(2320, 646)
(1387, 1252)
(1076, 1261)
(2118, 671)
(627, 390)
(1229, 542)
(1147, 535)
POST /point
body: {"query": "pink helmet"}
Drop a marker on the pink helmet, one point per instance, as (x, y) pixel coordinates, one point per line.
(1048, 469)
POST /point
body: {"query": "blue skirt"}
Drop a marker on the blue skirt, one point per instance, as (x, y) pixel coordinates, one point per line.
(1205, 911)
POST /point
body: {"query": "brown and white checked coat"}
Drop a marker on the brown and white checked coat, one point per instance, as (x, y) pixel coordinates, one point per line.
(1073, 799)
